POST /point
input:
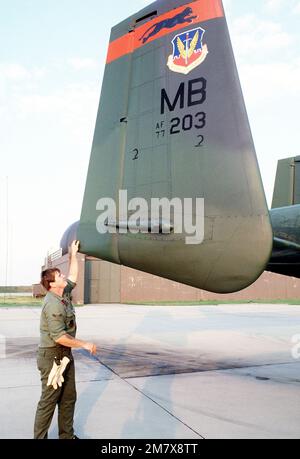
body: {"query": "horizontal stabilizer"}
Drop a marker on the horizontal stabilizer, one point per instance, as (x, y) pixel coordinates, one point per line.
(282, 244)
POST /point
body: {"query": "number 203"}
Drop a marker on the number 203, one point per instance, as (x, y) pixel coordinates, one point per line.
(188, 122)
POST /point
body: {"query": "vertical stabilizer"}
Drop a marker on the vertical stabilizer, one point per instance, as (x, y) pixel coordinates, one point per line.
(172, 123)
(287, 183)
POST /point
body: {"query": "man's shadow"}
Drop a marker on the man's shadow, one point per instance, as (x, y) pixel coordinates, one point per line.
(139, 424)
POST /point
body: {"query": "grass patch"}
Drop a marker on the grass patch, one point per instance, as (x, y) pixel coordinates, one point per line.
(20, 301)
(212, 302)
(24, 302)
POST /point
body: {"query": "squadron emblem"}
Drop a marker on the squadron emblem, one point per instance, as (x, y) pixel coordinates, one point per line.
(169, 23)
(188, 51)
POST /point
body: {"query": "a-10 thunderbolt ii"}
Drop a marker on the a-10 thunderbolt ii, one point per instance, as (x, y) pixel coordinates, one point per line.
(172, 123)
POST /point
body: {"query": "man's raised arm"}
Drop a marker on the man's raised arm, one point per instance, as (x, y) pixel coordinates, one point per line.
(73, 271)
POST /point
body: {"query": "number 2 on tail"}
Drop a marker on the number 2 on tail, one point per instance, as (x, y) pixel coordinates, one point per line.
(135, 152)
(200, 142)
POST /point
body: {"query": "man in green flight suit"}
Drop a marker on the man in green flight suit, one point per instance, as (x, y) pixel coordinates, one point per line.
(58, 331)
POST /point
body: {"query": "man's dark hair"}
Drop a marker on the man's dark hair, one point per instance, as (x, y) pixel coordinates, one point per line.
(48, 276)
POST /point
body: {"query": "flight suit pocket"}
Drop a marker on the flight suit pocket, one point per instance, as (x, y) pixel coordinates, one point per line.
(44, 364)
(70, 320)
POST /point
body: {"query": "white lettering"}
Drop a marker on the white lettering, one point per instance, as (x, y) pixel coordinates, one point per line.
(106, 221)
(165, 216)
(296, 348)
(196, 230)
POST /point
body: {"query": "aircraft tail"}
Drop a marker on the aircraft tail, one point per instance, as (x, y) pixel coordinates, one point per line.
(287, 183)
(172, 124)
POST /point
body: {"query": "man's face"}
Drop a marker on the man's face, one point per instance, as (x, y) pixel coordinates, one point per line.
(60, 281)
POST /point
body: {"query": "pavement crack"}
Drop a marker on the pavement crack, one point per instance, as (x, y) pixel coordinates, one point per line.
(149, 398)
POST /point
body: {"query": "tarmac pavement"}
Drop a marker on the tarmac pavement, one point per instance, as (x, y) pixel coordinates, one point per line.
(164, 372)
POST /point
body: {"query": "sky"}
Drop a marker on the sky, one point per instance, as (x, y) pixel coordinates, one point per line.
(52, 57)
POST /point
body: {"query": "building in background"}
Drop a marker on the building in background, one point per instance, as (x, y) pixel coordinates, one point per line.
(103, 282)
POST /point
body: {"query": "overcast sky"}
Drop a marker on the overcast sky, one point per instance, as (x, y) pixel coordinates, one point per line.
(52, 57)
